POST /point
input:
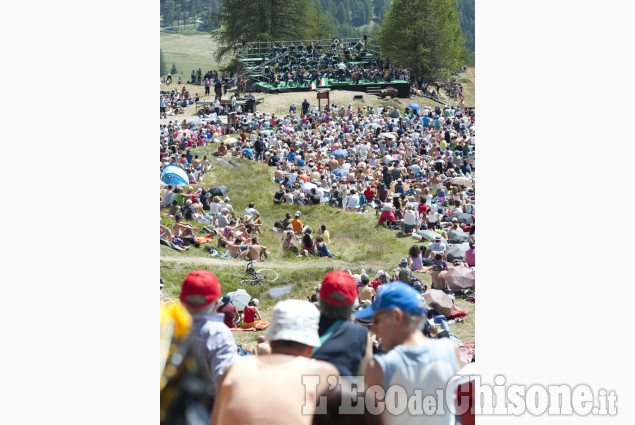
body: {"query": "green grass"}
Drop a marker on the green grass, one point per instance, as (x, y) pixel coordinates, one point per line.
(188, 51)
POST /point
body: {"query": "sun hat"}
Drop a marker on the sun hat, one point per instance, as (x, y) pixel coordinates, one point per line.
(437, 238)
(255, 301)
(203, 283)
(338, 288)
(403, 261)
(379, 274)
(226, 299)
(455, 220)
(295, 320)
(395, 295)
(364, 276)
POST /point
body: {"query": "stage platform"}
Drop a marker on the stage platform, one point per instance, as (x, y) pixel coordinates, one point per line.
(402, 87)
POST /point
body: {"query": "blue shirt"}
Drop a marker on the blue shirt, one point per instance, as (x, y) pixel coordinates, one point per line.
(213, 346)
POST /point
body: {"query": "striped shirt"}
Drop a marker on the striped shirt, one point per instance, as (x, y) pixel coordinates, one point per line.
(213, 346)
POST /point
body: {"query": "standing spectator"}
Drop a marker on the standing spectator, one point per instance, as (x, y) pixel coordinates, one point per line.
(213, 345)
(344, 344)
(420, 365)
(246, 395)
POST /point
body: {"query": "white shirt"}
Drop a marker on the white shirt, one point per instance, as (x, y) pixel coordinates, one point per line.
(410, 218)
(352, 201)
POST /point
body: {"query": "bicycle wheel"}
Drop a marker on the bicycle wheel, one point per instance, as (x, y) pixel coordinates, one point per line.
(268, 274)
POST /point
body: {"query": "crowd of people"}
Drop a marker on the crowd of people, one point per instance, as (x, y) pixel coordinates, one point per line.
(384, 340)
(299, 66)
(413, 170)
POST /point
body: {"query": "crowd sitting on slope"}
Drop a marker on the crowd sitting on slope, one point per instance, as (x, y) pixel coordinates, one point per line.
(345, 333)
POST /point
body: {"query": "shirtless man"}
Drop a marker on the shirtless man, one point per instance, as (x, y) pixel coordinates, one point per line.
(180, 229)
(254, 251)
(198, 207)
(232, 247)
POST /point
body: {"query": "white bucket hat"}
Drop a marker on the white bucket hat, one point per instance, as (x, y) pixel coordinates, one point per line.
(295, 320)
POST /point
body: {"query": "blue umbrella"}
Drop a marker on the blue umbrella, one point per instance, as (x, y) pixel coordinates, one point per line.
(340, 172)
(414, 106)
(340, 153)
(193, 124)
(175, 175)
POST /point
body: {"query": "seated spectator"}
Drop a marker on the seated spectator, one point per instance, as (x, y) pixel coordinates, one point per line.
(469, 255)
(232, 317)
(438, 270)
(288, 244)
(321, 247)
(250, 314)
(415, 259)
(255, 251)
(324, 233)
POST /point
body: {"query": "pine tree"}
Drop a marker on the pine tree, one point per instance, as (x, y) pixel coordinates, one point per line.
(423, 36)
(265, 20)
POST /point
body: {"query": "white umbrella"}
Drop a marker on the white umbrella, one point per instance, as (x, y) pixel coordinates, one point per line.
(308, 186)
(239, 299)
(390, 136)
(231, 140)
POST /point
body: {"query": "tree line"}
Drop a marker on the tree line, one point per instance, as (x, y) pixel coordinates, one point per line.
(424, 36)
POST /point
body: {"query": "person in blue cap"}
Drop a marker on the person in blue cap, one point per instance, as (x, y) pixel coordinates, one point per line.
(232, 317)
(409, 358)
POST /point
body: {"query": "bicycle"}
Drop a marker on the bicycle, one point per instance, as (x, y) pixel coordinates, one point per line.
(256, 277)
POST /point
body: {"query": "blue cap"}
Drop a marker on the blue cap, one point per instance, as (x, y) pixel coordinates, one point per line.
(392, 295)
(226, 299)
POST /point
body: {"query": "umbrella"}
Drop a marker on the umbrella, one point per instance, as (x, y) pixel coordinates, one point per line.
(375, 125)
(340, 153)
(390, 136)
(340, 172)
(193, 124)
(308, 186)
(457, 251)
(266, 132)
(461, 181)
(461, 217)
(440, 301)
(231, 140)
(220, 191)
(239, 299)
(179, 134)
(460, 277)
(428, 235)
(394, 113)
(458, 236)
(414, 106)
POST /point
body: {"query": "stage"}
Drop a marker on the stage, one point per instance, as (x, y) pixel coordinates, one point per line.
(402, 87)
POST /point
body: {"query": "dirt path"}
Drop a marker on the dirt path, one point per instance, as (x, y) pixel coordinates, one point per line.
(307, 263)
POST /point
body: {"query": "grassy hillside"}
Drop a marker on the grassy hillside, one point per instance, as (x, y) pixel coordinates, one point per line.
(356, 240)
(188, 51)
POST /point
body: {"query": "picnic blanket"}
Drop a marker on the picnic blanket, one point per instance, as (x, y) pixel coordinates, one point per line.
(203, 239)
(260, 325)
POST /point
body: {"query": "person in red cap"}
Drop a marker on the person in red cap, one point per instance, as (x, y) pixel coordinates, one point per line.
(212, 343)
(346, 345)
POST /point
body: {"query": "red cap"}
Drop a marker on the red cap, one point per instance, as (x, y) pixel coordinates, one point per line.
(338, 288)
(203, 283)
